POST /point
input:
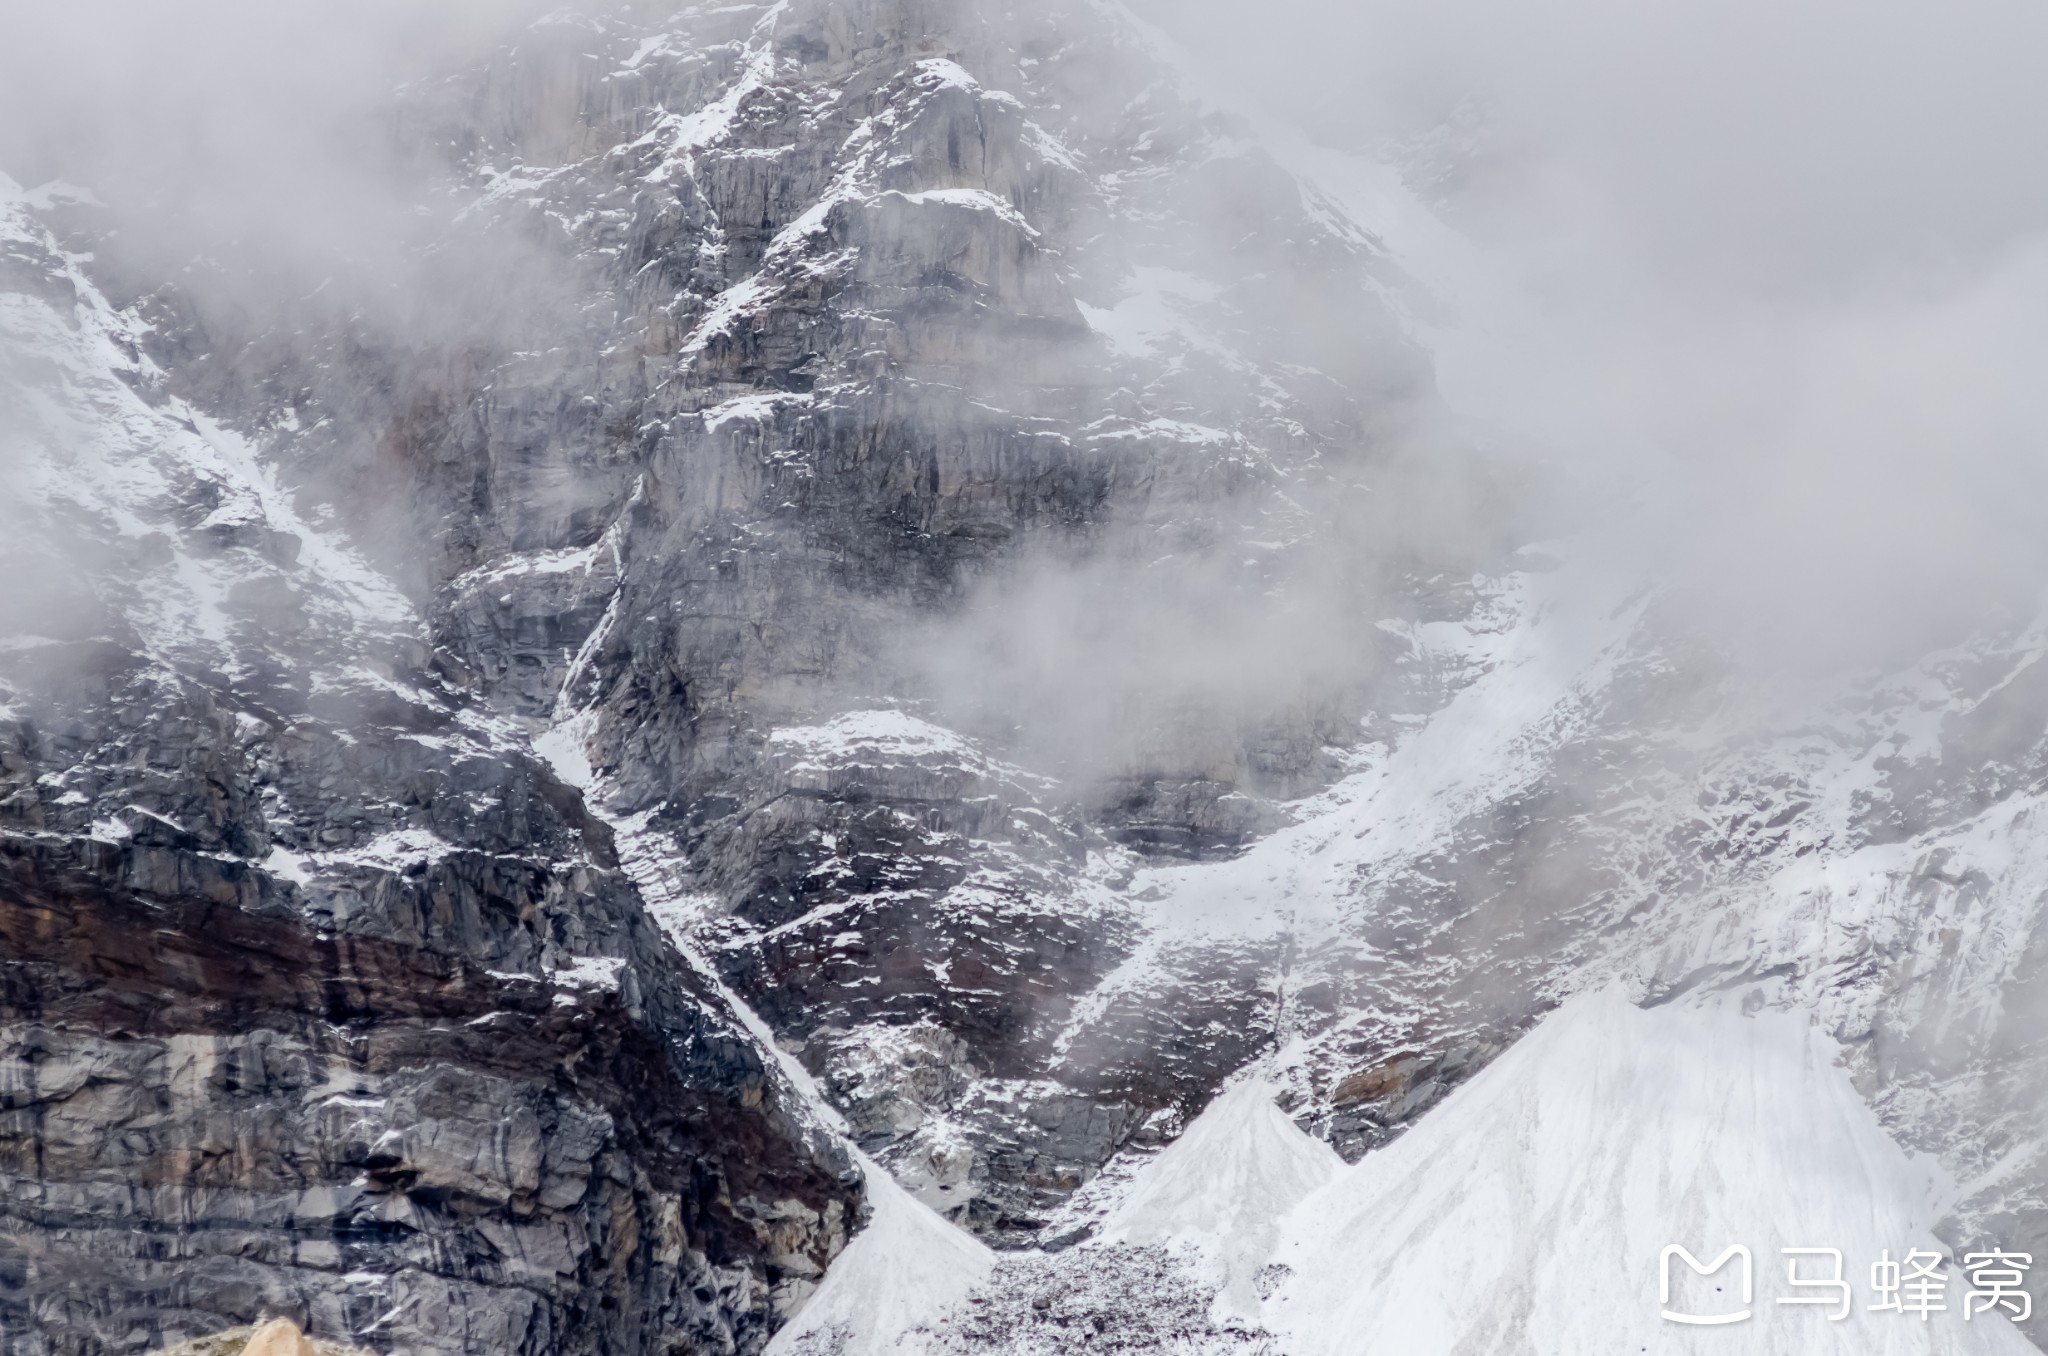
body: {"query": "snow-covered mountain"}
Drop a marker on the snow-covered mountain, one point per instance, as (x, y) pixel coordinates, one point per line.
(323, 996)
(932, 739)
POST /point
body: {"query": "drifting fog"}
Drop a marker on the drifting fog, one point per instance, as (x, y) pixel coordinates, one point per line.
(248, 151)
(1774, 276)
(261, 124)
(1765, 283)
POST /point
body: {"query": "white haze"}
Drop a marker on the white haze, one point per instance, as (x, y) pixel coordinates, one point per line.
(1767, 280)
(251, 141)
(1772, 273)
(246, 119)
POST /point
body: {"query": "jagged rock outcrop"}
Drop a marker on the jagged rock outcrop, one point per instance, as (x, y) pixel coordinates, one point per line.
(905, 339)
(214, 1111)
(320, 996)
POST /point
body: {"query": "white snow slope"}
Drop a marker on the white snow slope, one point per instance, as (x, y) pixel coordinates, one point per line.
(1528, 1213)
(1219, 1192)
(98, 462)
(889, 1292)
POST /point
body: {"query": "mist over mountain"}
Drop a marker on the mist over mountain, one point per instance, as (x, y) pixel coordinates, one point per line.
(847, 676)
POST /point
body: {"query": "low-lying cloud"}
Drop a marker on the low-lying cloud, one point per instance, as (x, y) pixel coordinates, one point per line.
(1765, 279)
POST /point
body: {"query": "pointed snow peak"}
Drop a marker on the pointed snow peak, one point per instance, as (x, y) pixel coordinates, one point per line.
(1241, 1162)
(1529, 1212)
(1221, 1188)
(888, 1293)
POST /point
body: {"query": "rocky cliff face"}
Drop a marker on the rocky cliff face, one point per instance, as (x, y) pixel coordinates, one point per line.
(892, 556)
(794, 540)
(725, 518)
(321, 995)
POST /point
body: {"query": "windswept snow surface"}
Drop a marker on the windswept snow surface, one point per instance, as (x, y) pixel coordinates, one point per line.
(1542, 654)
(100, 465)
(1219, 1192)
(1527, 1214)
(1568, 629)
